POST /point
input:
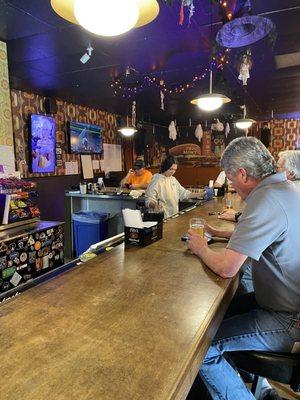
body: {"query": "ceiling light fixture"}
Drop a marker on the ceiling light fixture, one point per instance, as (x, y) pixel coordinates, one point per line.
(107, 17)
(210, 101)
(127, 130)
(244, 123)
(85, 58)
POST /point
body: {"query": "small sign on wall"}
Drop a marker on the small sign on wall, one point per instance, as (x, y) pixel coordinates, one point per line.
(87, 167)
(71, 168)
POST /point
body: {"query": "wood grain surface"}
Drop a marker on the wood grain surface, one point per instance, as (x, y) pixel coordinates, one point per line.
(133, 324)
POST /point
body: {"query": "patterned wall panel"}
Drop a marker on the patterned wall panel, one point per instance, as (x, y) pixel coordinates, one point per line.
(6, 131)
(24, 104)
(285, 134)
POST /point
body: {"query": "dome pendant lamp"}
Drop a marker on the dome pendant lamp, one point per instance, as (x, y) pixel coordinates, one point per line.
(244, 123)
(107, 17)
(127, 130)
(211, 101)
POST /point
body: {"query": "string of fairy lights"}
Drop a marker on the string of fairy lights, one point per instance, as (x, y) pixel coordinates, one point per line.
(129, 89)
(122, 88)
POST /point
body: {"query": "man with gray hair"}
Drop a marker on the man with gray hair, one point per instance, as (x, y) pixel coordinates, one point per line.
(289, 161)
(268, 234)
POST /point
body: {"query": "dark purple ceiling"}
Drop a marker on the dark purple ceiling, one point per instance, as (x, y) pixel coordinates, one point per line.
(44, 56)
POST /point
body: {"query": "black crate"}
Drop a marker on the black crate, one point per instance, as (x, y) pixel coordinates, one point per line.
(143, 237)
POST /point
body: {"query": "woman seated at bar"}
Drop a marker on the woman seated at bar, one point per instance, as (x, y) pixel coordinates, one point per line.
(165, 190)
(138, 177)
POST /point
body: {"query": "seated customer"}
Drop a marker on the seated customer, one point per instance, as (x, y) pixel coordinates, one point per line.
(138, 177)
(289, 161)
(268, 234)
(223, 182)
(166, 188)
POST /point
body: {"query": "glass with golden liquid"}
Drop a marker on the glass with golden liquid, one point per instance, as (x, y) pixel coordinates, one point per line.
(197, 226)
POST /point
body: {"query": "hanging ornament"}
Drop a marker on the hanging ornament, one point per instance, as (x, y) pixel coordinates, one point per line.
(162, 98)
(191, 10)
(227, 129)
(199, 132)
(217, 126)
(172, 131)
(191, 7)
(181, 14)
(244, 67)
(133, 113)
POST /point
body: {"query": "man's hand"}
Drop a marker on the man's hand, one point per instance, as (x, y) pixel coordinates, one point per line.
(196, 243)
(228, 214)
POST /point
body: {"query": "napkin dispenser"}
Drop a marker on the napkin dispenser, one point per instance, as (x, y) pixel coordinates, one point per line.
(143, 236)
(140, 233)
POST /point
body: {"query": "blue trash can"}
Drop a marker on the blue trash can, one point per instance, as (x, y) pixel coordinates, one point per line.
(89, 227)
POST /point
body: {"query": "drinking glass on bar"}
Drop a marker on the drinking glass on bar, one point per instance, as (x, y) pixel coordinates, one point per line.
(228, 200)
(197, 226)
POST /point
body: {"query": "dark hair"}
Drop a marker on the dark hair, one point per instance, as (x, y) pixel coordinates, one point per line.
(167, 163)
(138, 164)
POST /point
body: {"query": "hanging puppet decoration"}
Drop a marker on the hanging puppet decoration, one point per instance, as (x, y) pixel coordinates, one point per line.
(162, 95)
(172, 131)
(133, 113)
(199, 132)
(244, 67)
(227, 129)
(191, 7)
(162, 98)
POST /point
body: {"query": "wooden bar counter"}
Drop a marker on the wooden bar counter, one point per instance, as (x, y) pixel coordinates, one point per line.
(130, 325)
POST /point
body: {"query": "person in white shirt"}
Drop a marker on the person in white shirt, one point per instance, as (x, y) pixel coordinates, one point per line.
(222, 181)
(165, 189)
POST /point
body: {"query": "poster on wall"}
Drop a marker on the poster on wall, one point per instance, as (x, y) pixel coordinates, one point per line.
(112, 160)
(42, 143)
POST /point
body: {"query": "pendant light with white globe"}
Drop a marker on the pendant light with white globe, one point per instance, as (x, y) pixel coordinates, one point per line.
(106, 17)
(210, 101)
(244, 123)
(127, 130)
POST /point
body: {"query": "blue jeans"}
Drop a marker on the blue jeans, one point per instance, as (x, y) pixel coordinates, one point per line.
(246, 326)
(246, 283)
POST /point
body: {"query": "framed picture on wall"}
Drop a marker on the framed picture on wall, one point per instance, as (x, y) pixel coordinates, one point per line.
(42, 143)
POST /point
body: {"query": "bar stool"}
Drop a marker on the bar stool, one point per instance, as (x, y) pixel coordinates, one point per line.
(280, 367)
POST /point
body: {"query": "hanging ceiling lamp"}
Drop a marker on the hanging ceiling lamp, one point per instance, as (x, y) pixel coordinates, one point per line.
(107, 17)
(211, 101)
(244, 123)
(127, 130)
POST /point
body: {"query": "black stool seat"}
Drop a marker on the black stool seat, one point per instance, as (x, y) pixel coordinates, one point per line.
(280, 367)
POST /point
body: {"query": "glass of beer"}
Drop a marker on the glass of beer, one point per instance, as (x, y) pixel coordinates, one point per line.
(197, 226)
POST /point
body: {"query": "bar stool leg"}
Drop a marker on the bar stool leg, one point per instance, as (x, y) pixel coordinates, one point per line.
(257, 386)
